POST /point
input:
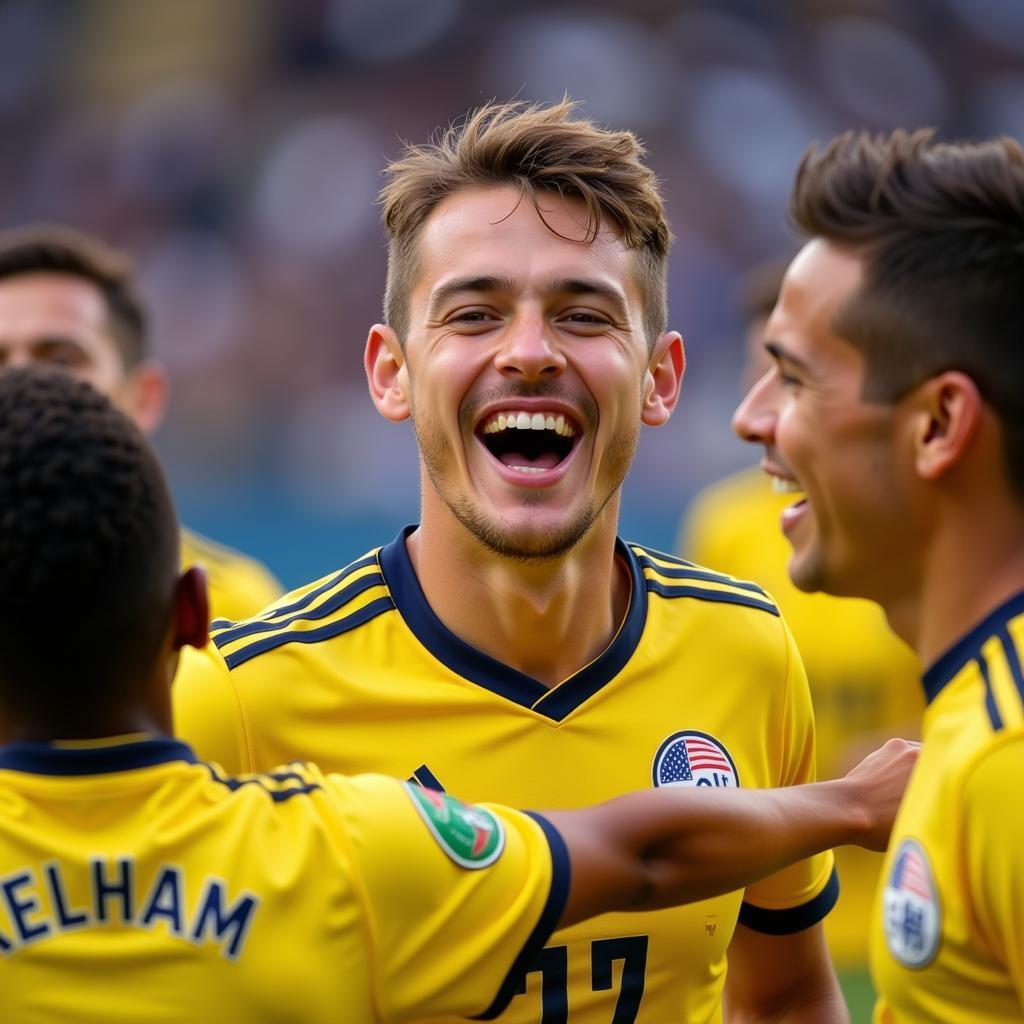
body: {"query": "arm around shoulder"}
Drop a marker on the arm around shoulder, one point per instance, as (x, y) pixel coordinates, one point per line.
(667, 846)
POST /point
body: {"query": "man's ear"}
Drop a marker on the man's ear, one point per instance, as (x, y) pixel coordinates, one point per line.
(191, 609)
(145, 395)
(386, 373)
(663, 379)
(947, 414)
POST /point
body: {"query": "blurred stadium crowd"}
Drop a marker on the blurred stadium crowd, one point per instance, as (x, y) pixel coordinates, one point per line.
(235, 148)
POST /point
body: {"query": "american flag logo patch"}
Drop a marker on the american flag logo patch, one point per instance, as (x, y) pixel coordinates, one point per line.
(911, 907)
(693, 758)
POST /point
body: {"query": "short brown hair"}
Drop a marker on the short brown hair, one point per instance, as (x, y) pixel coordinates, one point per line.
(535, 148)
(55, 249)
(940, 229)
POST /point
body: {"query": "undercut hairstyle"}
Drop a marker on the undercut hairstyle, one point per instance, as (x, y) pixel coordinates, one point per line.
(535, 149)
(53, 249)
(940, 230)
(88, 551)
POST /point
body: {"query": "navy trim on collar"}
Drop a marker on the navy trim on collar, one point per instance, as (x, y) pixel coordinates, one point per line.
(47, 759)
(968, 647)
(555, 703)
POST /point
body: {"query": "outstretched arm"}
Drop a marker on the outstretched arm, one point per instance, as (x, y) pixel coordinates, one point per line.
(676, 845)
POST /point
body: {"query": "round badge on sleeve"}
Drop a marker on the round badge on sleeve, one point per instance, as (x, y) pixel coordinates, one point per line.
(691, 758)
(472, 836)
(913, 917)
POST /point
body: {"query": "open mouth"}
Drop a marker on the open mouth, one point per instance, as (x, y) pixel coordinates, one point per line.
(528, 442)
(782, 485)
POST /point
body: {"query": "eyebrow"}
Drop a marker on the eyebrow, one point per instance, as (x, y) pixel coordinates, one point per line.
(779, 351)
(557, 286)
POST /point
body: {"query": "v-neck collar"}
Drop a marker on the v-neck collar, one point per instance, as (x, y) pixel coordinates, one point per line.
(554, 703)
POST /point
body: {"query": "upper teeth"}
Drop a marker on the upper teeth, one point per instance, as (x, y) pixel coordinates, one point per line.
(528, 421)
(780, 485)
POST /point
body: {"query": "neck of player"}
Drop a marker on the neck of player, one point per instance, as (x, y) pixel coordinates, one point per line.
(965, 573)
(143, 709)
(546, 618)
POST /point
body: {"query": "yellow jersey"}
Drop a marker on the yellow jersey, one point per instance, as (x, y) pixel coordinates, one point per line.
(139, 884)
(947, 942)
(863, 679)
(238, 585)
(701, 686)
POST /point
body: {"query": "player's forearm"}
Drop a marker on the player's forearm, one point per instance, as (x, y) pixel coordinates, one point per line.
(698, 849)
(669, 846)
(675, 845)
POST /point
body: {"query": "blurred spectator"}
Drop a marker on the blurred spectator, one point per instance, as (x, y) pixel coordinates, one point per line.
(68, 301)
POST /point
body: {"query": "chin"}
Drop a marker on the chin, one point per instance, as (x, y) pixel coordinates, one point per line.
(806, 574)
(527, 541)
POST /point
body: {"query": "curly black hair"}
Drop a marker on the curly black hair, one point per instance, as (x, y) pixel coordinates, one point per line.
(88, 547)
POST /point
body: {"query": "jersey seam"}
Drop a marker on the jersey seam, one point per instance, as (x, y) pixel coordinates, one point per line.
(243, 721)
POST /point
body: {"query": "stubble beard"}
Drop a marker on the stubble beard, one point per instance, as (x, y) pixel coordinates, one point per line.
(506, 541)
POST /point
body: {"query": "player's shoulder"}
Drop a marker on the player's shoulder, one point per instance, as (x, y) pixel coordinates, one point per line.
(990, 783)
(216, 556)
(668, 578)
(239, 584)
(996, 761)
(332, 606)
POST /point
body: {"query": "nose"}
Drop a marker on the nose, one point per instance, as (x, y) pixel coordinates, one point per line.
(754, 419)
(529, 351)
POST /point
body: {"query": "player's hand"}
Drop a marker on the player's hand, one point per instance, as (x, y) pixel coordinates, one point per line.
(877, 786)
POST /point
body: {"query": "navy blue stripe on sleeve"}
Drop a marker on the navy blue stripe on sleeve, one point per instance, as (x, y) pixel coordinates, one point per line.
(991, 707)
(702, 594)
(549, 918)
(792, 919)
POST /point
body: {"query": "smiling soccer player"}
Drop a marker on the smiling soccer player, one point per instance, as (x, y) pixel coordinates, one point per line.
(894, 410)
(511, 645)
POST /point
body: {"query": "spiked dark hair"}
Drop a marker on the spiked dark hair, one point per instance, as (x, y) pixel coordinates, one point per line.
(940, 228)
(534, 148)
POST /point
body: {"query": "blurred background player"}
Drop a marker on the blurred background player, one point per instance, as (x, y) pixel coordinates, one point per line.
(69, 301)
(511, 644)
(894, 415)
(141, 884)
(863, 679)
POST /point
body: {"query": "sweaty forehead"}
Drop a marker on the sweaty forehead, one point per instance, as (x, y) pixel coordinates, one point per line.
(498, 232)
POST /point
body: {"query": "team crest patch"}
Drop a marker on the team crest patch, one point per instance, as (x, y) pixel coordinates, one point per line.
(471, 836)
(913, 920)
(694, 759)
